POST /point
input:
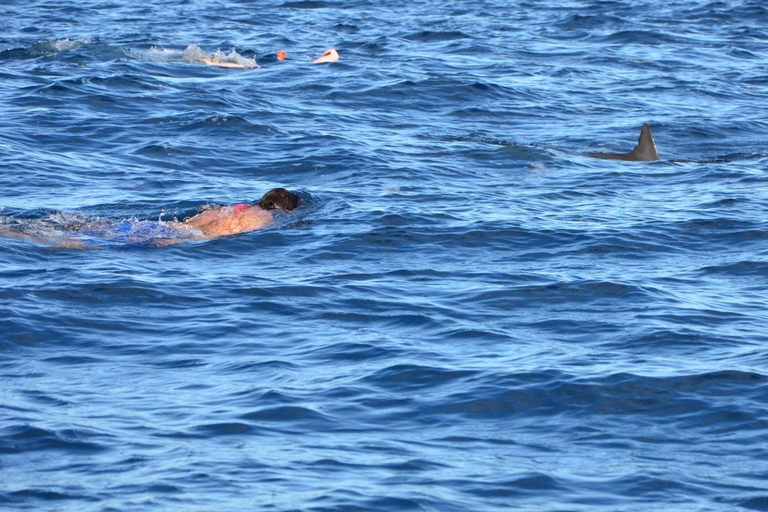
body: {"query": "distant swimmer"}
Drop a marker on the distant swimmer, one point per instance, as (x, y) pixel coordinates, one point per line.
(217, 62)
(194, 53)
(235, 60)
(645, 151)
(77, 232)
(330, 55)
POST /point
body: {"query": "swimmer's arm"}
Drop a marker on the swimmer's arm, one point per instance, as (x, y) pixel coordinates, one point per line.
(59, 243)
(212, 62)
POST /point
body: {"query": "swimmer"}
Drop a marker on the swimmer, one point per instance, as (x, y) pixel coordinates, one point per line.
(237, 61)
(240, 218)
(194, 53)
(217, 62)
(214, 222)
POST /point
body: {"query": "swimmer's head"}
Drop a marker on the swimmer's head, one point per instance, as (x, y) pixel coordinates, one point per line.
(279, 198)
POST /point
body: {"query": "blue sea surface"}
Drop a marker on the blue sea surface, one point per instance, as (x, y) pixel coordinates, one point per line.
(468, 313)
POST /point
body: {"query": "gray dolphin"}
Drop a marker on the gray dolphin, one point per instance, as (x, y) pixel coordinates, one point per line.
(645, 151)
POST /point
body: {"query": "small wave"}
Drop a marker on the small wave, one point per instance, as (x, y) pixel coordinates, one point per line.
(23, 438)
(223, 429)
(308, 4)
(37, 494)
(575, 22)
(740, 53)
(234, 122)
(410, 376)
(286, 414)
(639, 37)
(428, 36)
(741, 268)
(513, 150)
(757, 503)
(42, 48)
(350, 351)
(276, 366)
(688, 398)
(532, 483)
(124, 83)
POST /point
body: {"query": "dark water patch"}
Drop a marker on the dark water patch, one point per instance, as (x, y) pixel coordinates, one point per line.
(450, 88)
(756, 503)
(309, 4)
(121, 84)
(615, 396)
(740, 53)
(44, 399)
(412, 377)
(577, 21)
(578, 292)
(223, 429)
(672, 340)
(229, 122)
(532, 483)
(179, 363)
(389, 239)
(288, 414)
(351, 352)
(389, 503)
(429, 36)
(385, 319)
(123, 290)
(740, 268)
(628, 245)
(516, 150)
(74, 360)
(19, 438)
(277, 366)
(464, 334)
(641, 37)
(730, 231)
(42, 48)
(46, 496)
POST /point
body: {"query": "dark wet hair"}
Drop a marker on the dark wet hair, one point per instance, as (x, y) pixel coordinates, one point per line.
(279, 198)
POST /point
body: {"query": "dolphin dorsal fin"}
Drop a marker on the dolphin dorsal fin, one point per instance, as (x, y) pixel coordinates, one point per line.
(646, 146)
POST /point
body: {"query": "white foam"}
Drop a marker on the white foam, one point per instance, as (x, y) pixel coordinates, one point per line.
(64, 45)
(193, 53)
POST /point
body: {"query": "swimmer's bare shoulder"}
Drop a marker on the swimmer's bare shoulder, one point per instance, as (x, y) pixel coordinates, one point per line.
(208, 214)
(225, 221)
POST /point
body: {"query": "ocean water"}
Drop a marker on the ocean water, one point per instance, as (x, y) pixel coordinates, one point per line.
(468, 314)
